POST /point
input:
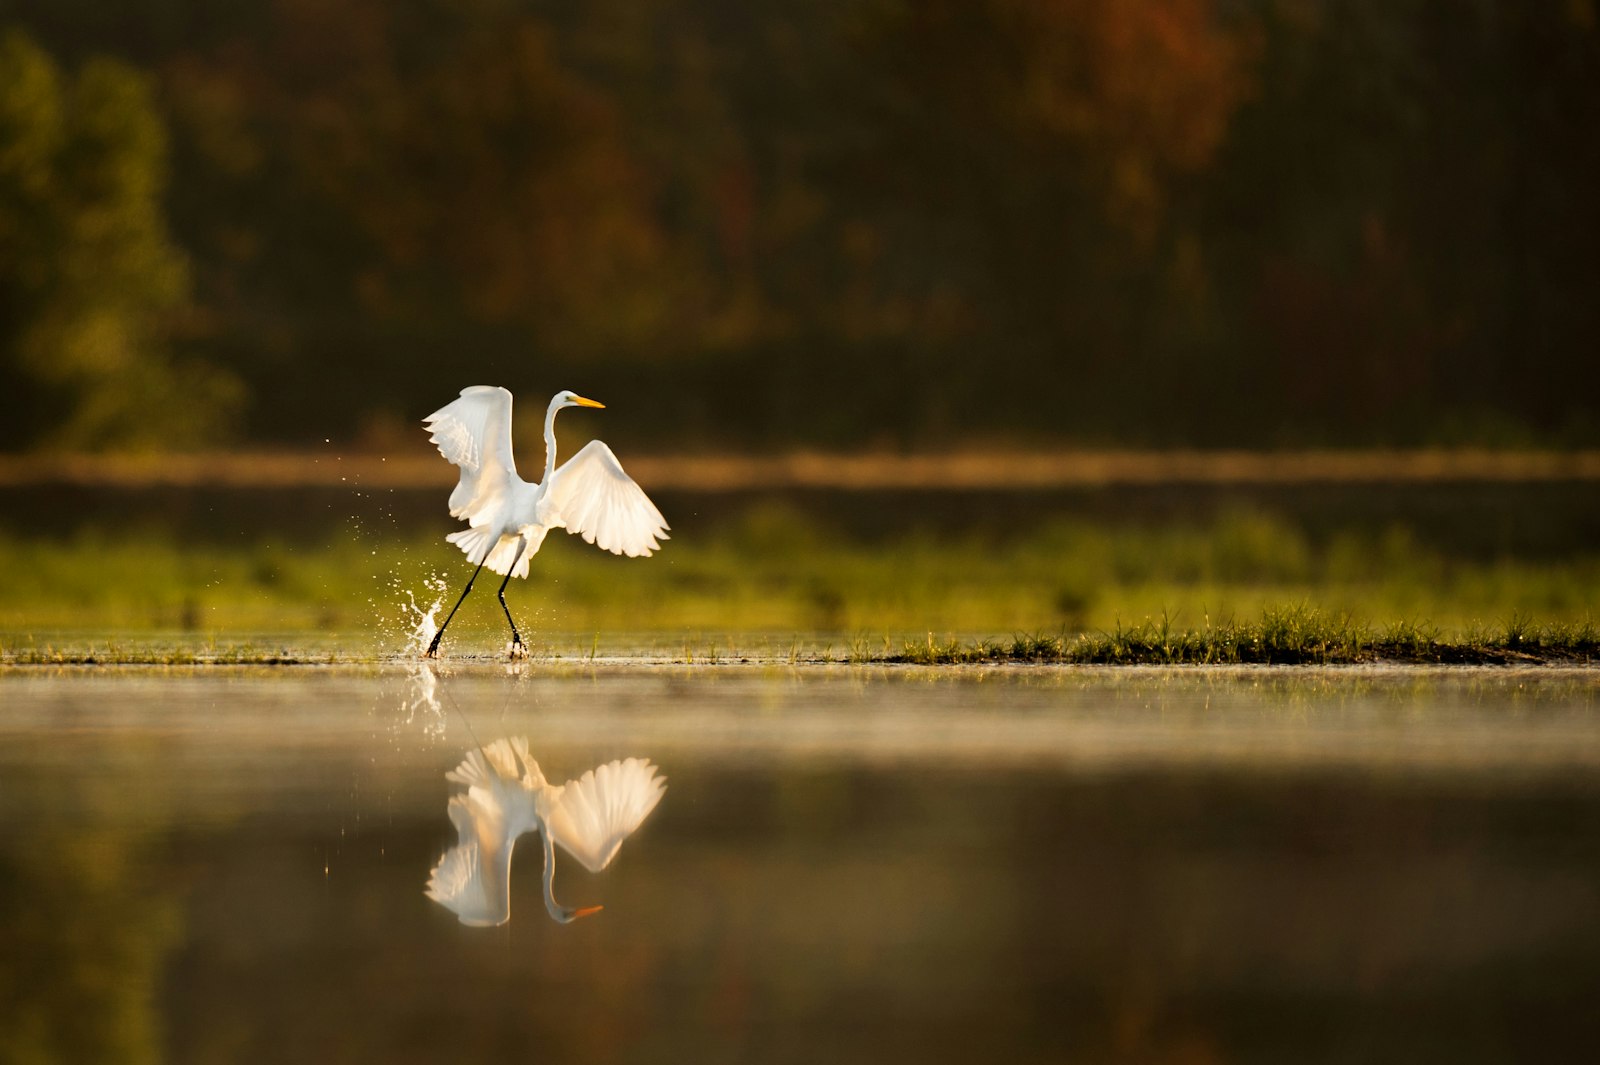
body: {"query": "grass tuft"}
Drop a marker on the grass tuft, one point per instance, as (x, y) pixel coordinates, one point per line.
(1294, 635)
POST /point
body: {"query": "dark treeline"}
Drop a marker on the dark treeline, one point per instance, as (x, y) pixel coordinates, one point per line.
(1209, 222)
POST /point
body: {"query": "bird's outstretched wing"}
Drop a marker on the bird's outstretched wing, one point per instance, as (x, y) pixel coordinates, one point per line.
(594, 498)
(502, 762)
(457, 884)
(592, 815)
(474, 432)
(473, 878)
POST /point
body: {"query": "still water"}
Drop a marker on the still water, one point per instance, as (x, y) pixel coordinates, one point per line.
(844, 865)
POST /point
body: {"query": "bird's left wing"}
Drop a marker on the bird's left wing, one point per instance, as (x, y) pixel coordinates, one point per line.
(473, 878)
(594, 498)
(474, 433)
(504, 761)
(595, 813)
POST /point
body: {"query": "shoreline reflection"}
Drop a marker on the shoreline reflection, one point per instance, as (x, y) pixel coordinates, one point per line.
(506, 797)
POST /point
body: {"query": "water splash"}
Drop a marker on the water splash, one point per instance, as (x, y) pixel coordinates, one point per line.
(424, 624)
(421, 701)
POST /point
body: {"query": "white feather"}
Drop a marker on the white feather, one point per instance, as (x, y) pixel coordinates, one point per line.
(473, 878)
(593, 497)
(591, 816)
(474, 433)
(455, 884)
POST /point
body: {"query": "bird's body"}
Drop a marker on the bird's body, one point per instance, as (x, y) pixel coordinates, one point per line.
(508, 796)
(507, 517)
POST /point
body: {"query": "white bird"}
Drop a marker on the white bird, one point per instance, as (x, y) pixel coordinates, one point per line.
(507, 795)
(508, 517)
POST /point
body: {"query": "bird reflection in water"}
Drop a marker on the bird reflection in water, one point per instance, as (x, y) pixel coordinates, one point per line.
(507, 795)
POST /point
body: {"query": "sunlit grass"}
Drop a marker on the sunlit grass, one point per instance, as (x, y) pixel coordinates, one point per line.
(1287, 636)
(776, 579)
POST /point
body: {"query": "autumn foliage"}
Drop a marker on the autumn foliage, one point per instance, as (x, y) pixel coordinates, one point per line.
(1173, 221)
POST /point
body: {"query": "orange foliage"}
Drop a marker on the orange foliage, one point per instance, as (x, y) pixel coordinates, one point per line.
(1148, 89)
(479, 162)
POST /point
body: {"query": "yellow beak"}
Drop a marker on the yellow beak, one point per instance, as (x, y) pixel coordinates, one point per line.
(580, 401)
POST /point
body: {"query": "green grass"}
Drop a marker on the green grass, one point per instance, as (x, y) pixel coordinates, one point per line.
(787, 586)
(170, 654)
(1289, 636)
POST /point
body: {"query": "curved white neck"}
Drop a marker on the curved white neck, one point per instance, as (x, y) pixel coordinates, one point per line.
(550, 440)
(556, 910)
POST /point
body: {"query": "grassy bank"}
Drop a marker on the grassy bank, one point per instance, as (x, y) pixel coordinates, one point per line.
(1287, 636)
(1108, 591)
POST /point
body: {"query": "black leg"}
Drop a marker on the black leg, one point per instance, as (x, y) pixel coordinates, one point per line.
(517, 650)
(433, 648)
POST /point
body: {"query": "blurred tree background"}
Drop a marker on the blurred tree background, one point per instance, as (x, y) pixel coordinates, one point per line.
(1197, 222)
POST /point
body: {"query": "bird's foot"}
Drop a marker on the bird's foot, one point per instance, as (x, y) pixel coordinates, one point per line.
(517, 649)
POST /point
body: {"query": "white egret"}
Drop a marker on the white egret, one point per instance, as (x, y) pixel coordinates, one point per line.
(508, 517)
(507, 795)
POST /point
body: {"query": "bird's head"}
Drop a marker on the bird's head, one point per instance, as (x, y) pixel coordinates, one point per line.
(569, 398)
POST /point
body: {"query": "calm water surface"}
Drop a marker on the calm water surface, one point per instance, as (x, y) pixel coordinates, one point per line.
(847, 865)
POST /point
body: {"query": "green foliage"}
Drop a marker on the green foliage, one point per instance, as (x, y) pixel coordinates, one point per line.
(1136, 592)
(89, 279)
(1173, 221)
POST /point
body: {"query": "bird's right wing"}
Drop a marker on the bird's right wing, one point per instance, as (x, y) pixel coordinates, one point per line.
(474, 433)
(595, 813)
(596, 499)
(457, 884)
